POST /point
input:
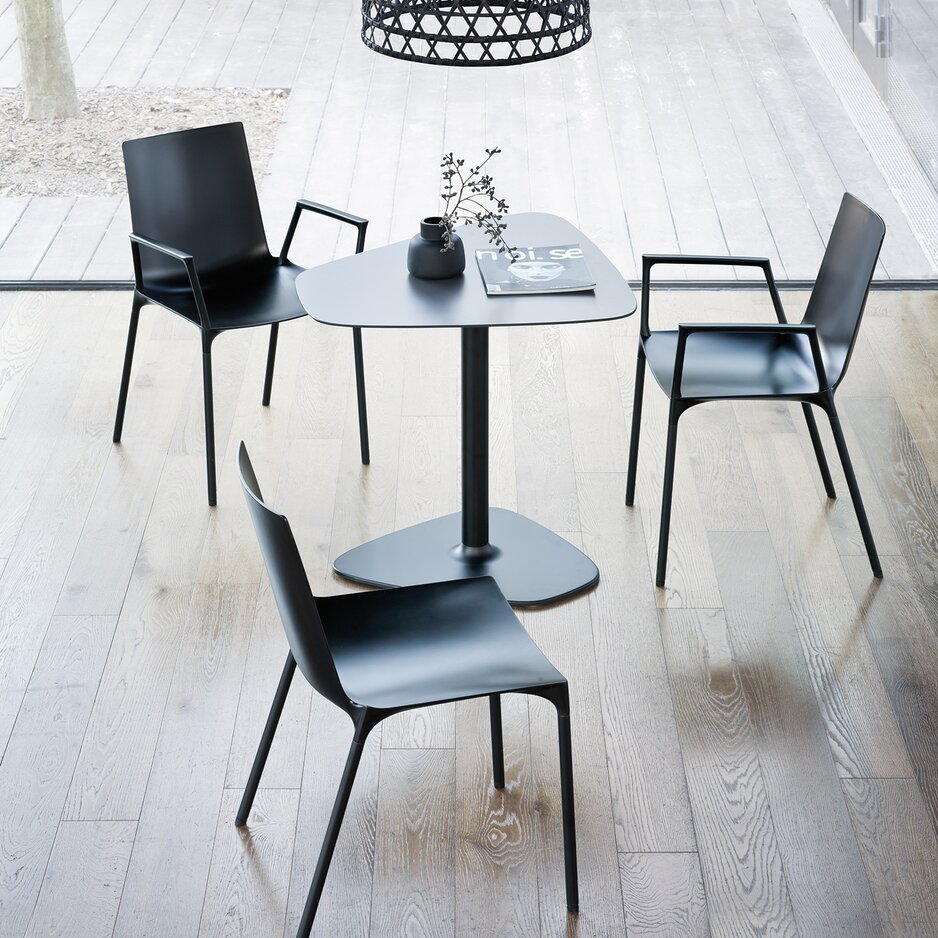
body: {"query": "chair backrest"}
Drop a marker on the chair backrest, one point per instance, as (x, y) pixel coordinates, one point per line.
(290, 584)
(194, 190)
(843, 282)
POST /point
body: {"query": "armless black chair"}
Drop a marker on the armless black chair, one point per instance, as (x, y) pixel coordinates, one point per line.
(378, 653)
(199, 250)
(784, 361)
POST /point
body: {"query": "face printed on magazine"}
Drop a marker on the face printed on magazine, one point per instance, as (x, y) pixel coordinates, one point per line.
(536, 271)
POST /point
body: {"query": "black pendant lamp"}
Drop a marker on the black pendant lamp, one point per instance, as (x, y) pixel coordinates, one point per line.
(475, 32)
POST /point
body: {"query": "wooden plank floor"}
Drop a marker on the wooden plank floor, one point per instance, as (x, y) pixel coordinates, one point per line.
(684, 124)
(755, 745)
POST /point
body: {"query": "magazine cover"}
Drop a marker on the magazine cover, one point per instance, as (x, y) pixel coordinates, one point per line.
(558, 268)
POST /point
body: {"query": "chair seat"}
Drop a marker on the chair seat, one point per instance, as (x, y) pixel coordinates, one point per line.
(416, 645)
(267, 295)
(743, 365)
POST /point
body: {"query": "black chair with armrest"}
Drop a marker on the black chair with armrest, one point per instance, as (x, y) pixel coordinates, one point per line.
(802, 362)
(382, 652)
(199, 250)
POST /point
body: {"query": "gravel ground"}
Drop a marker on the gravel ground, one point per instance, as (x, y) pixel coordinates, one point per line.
(82, 155)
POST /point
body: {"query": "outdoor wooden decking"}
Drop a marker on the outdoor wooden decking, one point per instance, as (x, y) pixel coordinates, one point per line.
(756, 749)
(685, 124)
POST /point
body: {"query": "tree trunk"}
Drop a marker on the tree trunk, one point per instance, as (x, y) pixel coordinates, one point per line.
(48, 77)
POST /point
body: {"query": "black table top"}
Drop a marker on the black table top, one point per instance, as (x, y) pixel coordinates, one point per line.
(374, 289)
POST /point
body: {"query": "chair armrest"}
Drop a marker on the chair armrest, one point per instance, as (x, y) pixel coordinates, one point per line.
(361, 224)
(706, 260)
(185, 259)
(685, 330)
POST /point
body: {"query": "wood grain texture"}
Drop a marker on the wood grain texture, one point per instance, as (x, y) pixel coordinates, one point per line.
(743, 868)
(899, 848)
(663, 895)
(317, 407)
(726, 491)
(503, 478)
(247, 885)
(865, 374)
(717, 733)
(22, 333)
(427, 489)
(111, 776)
(598, 426)
(911, 495)
(100, 569)
(226, 558)
(40, 757)
(905, 362)
(831, 895)
(564, 633)
(899, 619)
(346, 903)
(601, 910)
(366, 497)
(415, 844)
(46, 541)
(40, 414)
(496, 845)
(431, 372)
(543, 453)
(82, 884)
(646, 772)
(179, 812)
(860, 723)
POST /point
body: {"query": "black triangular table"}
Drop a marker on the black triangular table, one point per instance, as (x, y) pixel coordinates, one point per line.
(374, 291)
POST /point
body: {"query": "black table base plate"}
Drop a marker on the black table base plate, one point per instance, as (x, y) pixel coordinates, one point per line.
(530, 563)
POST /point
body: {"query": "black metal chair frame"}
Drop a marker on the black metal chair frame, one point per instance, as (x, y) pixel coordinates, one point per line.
(210, 333)
(823, 398)
(291, 587)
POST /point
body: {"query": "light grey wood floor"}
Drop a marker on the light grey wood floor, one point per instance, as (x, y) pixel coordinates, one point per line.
(691, 124)
(756, 745)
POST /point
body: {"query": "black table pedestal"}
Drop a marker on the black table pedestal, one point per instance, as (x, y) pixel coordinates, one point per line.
(530, 563)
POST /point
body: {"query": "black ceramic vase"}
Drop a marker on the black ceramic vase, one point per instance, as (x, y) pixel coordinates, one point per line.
(425, 255)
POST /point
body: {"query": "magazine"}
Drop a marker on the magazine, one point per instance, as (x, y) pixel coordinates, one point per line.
(558, 268)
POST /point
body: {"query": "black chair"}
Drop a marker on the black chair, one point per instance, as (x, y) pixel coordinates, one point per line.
(804, 362)
(199, 250)
(378, 653)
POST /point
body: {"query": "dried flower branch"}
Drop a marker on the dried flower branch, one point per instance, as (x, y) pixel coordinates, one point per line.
(469, 197)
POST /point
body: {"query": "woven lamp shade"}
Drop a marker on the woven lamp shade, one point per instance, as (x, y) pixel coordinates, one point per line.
(475, 32)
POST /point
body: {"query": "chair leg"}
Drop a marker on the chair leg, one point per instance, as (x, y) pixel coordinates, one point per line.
(567, 806)
(128, 362)
(853, 487)
(332, 835)
(636, 425)
(498, 748)
(818, 450)
(263, 750)
(668, 486)
(271, 355)
(360, 388)
(209, 420)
